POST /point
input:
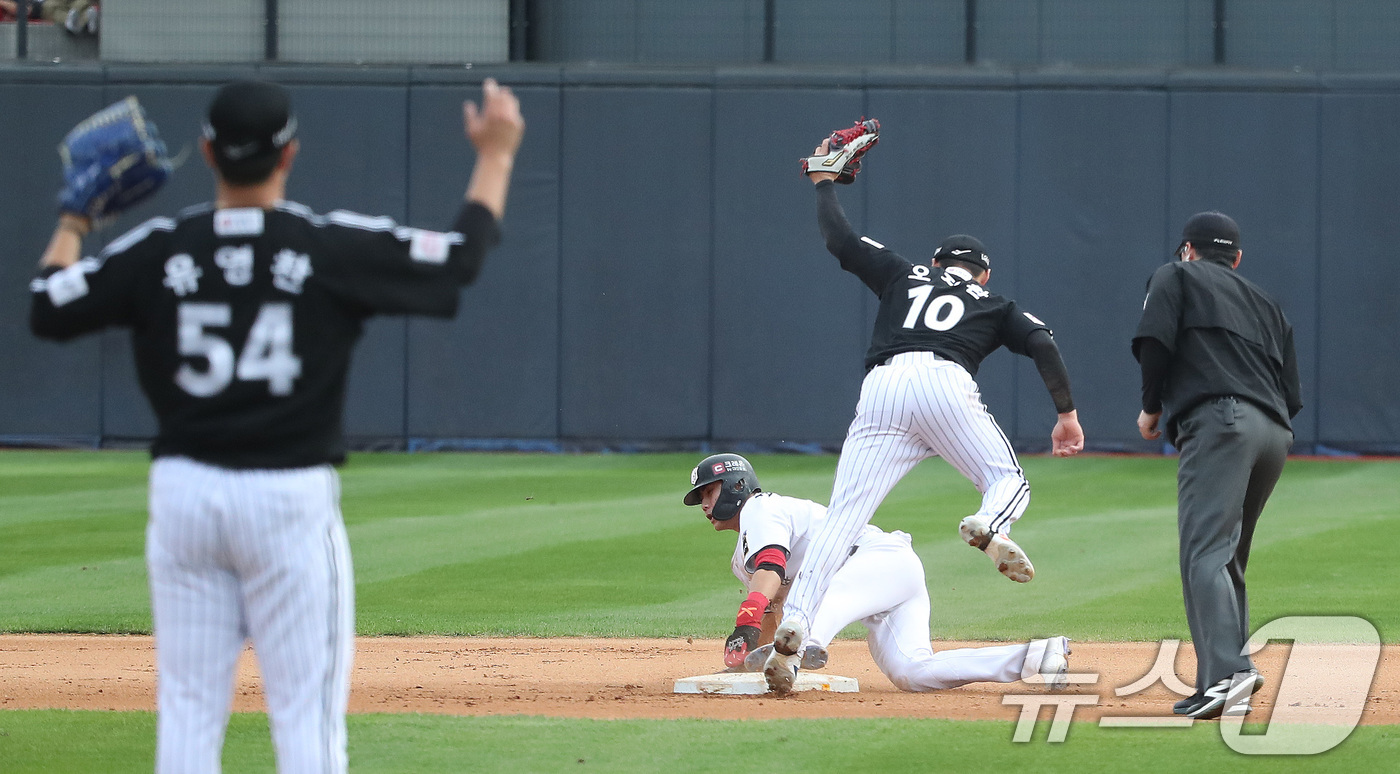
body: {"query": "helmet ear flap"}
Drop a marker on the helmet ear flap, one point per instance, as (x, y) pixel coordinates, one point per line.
(732, 497)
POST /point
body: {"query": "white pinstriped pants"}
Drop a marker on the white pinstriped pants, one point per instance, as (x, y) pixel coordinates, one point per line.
(260, 554)
(914, 407)
(882, 585)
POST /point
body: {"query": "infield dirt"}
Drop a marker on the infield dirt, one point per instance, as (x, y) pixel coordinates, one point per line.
(605, 678)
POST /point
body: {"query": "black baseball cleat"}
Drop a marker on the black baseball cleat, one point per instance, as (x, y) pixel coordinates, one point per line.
(1185, 705)
(1227, 697)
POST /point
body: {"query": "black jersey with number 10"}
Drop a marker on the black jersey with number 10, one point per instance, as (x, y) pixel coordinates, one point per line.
(928, 309)
(243, 320)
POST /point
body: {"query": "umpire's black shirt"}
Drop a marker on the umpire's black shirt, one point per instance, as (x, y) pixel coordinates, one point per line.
(1223, 335)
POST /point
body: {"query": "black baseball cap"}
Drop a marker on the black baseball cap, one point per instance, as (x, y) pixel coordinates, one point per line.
(1211, 229)
(964, 248)
(249, 120)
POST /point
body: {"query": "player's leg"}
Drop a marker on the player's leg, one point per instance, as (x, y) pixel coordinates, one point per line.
(880, 575)
(953, 421)
(899, 640)
(197, 615)
(879, 450)
(299, 592)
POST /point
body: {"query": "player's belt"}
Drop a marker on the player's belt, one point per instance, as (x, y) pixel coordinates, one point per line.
(914, 356)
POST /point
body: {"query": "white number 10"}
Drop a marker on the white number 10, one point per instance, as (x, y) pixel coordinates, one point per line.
(267, 354)
(942, 314)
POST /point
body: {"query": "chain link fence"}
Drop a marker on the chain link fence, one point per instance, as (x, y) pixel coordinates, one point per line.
(1335, 35)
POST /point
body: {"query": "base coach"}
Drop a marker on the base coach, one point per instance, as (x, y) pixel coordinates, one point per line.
(1220, 377)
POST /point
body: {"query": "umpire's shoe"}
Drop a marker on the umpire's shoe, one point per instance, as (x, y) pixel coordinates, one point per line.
(1005, 554)
(780, 671)
(1227, 697)
(1188, 703)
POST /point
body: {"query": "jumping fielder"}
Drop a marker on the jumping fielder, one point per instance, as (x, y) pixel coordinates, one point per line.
(934, 327)
(243, 313)
(881, 584)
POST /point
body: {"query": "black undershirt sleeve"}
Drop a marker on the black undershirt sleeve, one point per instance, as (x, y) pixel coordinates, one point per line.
(1154, 358)
(482, 232)
(836, 230)
(1041, 348)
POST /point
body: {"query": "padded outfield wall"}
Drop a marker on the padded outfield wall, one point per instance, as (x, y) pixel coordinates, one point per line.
(662, 282)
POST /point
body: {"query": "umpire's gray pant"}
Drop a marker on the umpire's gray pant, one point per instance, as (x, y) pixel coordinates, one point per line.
(1231, 456)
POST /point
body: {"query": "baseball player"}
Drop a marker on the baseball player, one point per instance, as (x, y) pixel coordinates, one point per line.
(243, 313)
(881, 584)
(935, 325)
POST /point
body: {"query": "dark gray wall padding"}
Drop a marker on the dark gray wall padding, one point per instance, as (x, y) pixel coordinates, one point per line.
(662, 280)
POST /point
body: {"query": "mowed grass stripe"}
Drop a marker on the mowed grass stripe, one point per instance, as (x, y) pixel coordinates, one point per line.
(58, 741)
(601, 545)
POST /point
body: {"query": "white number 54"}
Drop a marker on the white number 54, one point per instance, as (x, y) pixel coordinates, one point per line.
(267, 354)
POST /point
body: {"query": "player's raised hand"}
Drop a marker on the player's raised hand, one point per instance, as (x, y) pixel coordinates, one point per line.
(817, 176)
(495, 130)
(497, 126)
(1067, 439)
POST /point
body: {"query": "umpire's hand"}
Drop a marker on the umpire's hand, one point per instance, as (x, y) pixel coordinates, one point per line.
(1147, 425)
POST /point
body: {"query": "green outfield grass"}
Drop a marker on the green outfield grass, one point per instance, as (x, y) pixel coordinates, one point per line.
(550, 545)
(413, 744)
(600, 545)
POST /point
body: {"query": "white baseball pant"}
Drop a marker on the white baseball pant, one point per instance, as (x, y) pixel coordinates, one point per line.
(916, 406)
(260, 554)
(882, 586)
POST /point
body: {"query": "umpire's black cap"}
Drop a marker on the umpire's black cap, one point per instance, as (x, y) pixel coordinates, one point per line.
(248, 121)
(963, 248)
(1211, 230)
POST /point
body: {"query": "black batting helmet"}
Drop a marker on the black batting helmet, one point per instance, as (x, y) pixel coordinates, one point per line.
(740, 484)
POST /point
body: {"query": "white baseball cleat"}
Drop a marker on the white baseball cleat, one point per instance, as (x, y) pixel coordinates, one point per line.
(1054, 665)
(1010, 560)
(780, 670)
(813, 657)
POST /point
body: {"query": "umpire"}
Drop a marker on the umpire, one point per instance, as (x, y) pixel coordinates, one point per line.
(1219, 375)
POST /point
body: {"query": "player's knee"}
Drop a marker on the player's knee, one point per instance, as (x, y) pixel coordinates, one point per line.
(904, 676)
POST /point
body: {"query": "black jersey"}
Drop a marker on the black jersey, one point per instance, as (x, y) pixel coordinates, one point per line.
(927, 309)
(243, 320)
(1224, 336)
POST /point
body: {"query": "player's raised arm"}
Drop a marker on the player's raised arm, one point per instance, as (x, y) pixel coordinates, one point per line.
(495, 130)
(837, 160)
(66, 244)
